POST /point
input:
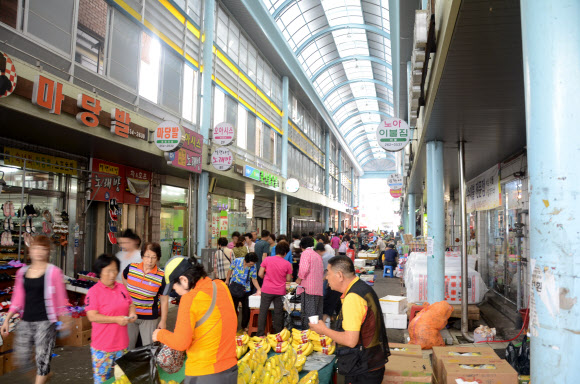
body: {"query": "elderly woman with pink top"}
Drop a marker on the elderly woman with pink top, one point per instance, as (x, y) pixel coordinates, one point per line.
(310, 281)
(40, 298)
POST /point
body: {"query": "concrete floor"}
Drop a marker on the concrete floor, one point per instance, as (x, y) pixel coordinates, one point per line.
(73, 364)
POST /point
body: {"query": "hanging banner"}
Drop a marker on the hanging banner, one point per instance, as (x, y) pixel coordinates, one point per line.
(115, 181)
(138, 189)
(395, 181)
(393, 134)
(39, 161)
(484, 192)
(396, 193)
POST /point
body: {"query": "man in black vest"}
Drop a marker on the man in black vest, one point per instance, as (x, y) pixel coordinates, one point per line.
(363, 348)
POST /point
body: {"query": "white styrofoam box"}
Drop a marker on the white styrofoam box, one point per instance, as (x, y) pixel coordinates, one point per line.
(367, 277)
(395, 321)
(393, 304)
(256, 300)
(359, 263)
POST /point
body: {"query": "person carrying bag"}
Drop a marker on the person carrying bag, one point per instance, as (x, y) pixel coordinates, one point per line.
(242, 271)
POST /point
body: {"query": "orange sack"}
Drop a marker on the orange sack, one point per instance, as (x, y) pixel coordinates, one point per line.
(425, 326)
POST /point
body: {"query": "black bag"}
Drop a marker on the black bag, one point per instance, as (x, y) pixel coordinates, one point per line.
(519, 357)
(140, 364)
(237, 290)
(352, 361)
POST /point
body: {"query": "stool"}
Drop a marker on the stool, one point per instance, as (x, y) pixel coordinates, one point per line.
(414, 310)
(253, 325)
(390, 269)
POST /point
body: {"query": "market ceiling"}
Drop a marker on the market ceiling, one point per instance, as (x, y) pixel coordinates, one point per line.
(344, 47)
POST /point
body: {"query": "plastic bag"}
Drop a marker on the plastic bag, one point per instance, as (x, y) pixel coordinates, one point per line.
(519, 357)
(425, 326)
(140, 364)
(244, 373)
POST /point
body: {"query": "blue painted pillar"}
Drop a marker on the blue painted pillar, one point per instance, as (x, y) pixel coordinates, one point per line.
(550, 38)
(352, 187)
(405, 214)
(411, 208)
(206, 108)
(284, 165)
(424, 4)
(327, 177)
(435, 222)
(339, 159)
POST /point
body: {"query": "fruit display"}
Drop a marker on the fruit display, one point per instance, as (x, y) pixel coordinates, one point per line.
(255, 358)
(244, 373)
(310, 378)
(241, 350)
(300, 361)
(282, 336)
(300, 337)
(322, 343)
(259, 342)
(303, 349)
(242, 339)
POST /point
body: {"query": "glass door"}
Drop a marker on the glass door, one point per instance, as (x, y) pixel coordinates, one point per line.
(174, 222)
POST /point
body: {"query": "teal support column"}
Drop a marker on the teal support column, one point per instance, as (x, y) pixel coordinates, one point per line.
(284, 165)
(405, 214)
(339, 159)
(435, 222)
(327, 177)
(411, 208)
(206, 108)
(551, 58)
(352, 187)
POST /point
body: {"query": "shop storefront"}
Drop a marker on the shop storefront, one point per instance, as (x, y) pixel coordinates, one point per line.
(228, 215)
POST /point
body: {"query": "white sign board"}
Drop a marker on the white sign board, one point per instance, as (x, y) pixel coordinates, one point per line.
(168, 136)
(292, 185)
(429, 241)
(222, 159)
(395, 181)
(484, 192)
(393, 134)
(223, 134)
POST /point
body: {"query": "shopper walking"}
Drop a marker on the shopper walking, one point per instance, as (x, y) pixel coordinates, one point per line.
(310, 277)
(145, 283)
(235, 238)
(110, 309)
(249, 242)
(240, 250)
(295, 245)
(206, 324)
(275, 271)
(335, 243)
(363, 348)
(242, 271)
(39, 297)
(380, 248)
(130, 253)
(344, 246)
(222, 259)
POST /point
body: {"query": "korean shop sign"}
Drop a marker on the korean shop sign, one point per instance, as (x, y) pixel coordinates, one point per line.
(39, 161)
(261, 176)
(393, 134)
(115, 181)
(484, 192)
(222, 159)
(189, 156)
(8, 70)
(395, 181)
(168, 136)
(396, 193)
(223, 134)
(292, 185)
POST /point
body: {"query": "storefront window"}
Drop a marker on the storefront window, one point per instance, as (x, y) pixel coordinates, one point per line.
(174, 222)
(228, 216)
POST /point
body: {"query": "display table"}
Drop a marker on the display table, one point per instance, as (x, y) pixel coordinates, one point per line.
(325, 372)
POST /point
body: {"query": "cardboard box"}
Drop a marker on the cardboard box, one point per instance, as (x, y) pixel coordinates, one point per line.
(81, 324)
(76, 339)
(409, 350)
(407, 370)
(458, 354)
(393, 304)
(482, 371)
(7, 343)
(395, 321)
(7, 363)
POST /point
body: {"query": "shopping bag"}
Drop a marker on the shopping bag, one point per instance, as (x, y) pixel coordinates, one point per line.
(170, 360)
(140, 364)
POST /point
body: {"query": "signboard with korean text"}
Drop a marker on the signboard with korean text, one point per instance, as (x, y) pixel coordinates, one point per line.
(189, 156)
(223, 134)
(222, 159)
(168, 136)
(305, 212)
(484, 192)
(261, 176)
(396, 193)
(115, 181)
(39, 161)
(395, 181)
(393, 134)
(8, 71)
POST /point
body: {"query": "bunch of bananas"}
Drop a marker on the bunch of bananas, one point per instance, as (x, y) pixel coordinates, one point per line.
(325, 341)
(288, 359)
(300, 361)
(303, 349)
(300, 337)
(242, 339)
(310, 378)
(255, 358)
(327, 350)
(241, 350)
(279, 347)
(244, 373)
(273, 370)
(122, 380)
(259, 342)
(283, 335)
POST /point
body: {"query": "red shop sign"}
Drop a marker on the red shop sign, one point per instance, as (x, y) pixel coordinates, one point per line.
(114, 181)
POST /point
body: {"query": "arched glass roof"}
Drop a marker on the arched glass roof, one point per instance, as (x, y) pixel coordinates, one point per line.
(344, 48)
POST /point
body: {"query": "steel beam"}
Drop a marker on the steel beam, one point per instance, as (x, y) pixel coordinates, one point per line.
(325, 31)
(334, 62)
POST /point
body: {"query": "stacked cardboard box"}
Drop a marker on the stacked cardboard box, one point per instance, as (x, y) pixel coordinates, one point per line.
(471, 363)
(6, 353)
(80, 333)
(394, 311)
(407, 365)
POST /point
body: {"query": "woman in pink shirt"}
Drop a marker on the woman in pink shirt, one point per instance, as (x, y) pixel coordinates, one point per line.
(310, 278)
(110, 308)
(276, 271)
